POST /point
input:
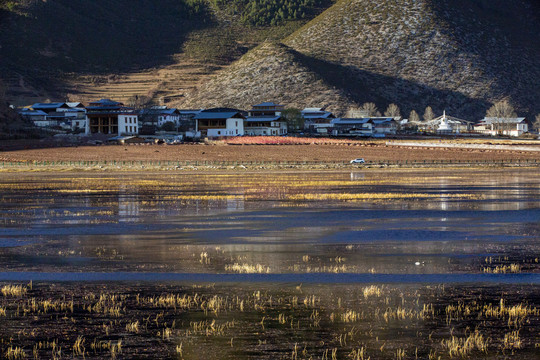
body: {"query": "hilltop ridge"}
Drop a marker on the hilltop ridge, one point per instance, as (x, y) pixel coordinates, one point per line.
(458, 55)
(449, 54)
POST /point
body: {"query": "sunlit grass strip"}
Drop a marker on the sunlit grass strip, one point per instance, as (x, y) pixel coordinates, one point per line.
(462, 347)
(377, 196)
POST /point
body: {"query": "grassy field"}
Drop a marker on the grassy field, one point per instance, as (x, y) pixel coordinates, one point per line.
(319, 151)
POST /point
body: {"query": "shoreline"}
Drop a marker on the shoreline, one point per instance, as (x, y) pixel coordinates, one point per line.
(250, 168)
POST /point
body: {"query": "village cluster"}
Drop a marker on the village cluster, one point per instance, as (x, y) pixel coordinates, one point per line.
(122, 122)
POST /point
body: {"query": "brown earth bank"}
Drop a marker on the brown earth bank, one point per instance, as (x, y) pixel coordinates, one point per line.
(246, 153)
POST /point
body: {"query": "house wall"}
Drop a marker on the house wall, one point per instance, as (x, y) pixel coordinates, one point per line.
(162, 119)
(234, 127)
(128, 124)
(78, 124)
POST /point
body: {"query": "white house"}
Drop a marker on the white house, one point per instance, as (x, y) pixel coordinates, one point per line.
(111, 118)
(265, 119)
(502, 126)
(219, 122)
(128, 124)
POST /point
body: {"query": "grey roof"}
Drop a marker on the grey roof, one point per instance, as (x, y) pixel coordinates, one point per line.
(312, 110)
(350, 121)
(105, 102)
(190, 112)
(159, 111)
(381, 120)
(27, 111)
(48, 105)
(268, 104)
(318, 115)
(492, 120)
(217, 115)
(74, 104)
(262, 118)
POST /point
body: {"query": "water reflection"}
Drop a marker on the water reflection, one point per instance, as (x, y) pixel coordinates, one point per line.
(357, 222)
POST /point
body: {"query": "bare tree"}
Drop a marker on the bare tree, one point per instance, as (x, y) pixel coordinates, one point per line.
(371, 109)
(536, 123)
(428, 114)
(356, 112)
(413, 117)
(392, 111)
(501, 109)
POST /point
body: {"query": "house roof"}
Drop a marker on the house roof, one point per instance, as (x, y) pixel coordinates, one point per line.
(159, 111)
(218, 115)
(350, 121)
(105, 102)
(74, 104)
(491, 120)
(49, 106)
(268, 104)
(262, 118)
(27, 112)
(317, 115)
(377, 121)
(312, 110)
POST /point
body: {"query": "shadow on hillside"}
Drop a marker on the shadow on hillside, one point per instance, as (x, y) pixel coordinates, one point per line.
(363, 86)
(98, 36)
(503, 35)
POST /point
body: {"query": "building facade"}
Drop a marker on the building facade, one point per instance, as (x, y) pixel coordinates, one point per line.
(218, 122)
(111, 118)
(265, 120)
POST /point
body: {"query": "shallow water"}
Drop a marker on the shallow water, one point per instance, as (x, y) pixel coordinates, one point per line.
(384, 225)
(368, 264)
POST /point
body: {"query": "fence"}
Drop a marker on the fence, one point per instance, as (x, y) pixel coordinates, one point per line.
(165, 163)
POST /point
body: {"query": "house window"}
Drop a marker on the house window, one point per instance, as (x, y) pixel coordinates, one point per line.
(236, 131)
(219, 132)
(236, 124)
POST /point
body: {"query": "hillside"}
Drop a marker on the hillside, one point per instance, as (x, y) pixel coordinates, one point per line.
(121, 49)
(270, 71)
(459, 55)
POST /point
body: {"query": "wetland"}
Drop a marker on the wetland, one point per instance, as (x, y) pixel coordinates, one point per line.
(361, 264)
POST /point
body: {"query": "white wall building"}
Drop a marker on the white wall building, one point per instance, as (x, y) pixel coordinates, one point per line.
(220, 122)
(128, 124)
(502, 126)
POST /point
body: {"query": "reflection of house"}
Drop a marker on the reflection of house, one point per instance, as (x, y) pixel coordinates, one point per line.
(317, 120)
(220, 122)
(502, 126)
(110, 117)
(265, 119)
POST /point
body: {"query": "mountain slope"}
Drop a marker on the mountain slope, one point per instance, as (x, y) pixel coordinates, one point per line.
(459, 55)
(262, 75)
(121, 49)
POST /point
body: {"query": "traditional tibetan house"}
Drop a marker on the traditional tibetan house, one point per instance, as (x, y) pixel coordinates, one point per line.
(265, 119)
(111, 117)
(219, 122)
(502, 126)
(317, 120)
(352, 127)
